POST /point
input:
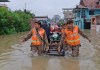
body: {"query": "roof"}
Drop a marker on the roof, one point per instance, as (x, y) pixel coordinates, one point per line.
(89, 4)
(80, 6)
(4, 1)
(67, 9)
(82, 3)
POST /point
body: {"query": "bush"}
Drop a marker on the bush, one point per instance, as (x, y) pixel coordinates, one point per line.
(14, 21)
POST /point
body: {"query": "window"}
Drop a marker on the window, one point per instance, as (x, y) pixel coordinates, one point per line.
(78, 14)
(83, 13)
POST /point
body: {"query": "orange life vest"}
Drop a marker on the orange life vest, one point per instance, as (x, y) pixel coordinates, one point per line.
(35, 39)
(72, 38)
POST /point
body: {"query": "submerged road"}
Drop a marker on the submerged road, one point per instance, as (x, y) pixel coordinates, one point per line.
(18, 58)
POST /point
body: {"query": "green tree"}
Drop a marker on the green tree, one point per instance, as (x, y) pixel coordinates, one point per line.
(14, 21)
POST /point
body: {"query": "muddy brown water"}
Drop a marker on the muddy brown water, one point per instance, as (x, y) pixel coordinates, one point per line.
(15, 57)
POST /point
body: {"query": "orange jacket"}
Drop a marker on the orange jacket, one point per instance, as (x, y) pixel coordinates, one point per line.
(72, 38)
(35, 39)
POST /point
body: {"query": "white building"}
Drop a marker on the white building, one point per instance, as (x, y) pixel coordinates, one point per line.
(68, 13)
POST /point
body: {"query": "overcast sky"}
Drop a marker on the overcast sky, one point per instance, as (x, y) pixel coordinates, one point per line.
(43, 7)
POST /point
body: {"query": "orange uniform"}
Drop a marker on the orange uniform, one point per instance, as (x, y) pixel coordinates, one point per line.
(72, 38)
(35, 39)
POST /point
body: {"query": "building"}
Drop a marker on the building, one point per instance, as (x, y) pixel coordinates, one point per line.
(2, 3)
(87, 14)
(42, 19)
(56, 18)
(39, 18)
(68, 13)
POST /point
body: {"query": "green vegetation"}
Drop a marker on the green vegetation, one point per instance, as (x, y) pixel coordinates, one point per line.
(14, 21)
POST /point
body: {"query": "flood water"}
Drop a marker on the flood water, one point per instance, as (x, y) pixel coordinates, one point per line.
(17, 57)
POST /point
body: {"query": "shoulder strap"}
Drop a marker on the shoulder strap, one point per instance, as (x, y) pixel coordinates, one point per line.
(38, 35)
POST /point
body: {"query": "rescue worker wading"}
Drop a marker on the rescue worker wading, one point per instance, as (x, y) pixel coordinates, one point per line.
(72, 38)
(38, 36)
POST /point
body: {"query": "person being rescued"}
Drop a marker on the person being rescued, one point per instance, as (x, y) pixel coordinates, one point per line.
(39, 38)
(72, 39)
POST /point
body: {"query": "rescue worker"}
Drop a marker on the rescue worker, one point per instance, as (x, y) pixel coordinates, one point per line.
(72, 38)
(39, 38)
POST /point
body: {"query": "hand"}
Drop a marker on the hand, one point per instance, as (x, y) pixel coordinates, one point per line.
(59, 48)
(48, 44)
(47, 49)
(89, 40)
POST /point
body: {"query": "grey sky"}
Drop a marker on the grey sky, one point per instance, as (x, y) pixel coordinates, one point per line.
(43, 7)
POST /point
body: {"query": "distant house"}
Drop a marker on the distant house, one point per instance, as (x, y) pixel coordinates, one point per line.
(56, 18)
(2, 3)
(68, 13)
(87, 14)
(42, 19)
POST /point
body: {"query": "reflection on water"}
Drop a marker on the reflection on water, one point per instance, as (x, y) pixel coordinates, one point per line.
(18, 57)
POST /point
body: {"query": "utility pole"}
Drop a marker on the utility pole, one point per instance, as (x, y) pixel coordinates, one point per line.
(25, 7)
